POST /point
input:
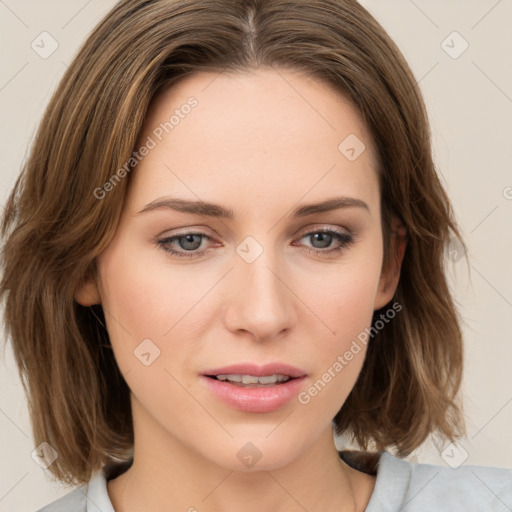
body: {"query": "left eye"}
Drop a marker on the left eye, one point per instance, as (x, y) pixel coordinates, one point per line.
(324, 239)
(188, 243)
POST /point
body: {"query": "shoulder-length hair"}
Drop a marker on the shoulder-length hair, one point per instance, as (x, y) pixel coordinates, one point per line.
(56, 223)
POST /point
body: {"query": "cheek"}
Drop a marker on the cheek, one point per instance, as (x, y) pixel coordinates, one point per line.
(344, 303)
(149, 304)
(339, 355)
(342, 298)
(142, 293)
(130, 300)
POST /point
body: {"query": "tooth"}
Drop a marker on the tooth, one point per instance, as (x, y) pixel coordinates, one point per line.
(248, 379)
(252, 379)
(267, 379)
(234, 378)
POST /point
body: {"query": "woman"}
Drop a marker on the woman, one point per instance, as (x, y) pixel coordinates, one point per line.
(226, 246)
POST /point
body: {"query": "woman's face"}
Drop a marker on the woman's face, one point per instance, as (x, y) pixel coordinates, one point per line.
(275, 282)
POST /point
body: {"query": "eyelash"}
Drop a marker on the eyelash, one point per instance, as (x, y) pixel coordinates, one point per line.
(345, 240)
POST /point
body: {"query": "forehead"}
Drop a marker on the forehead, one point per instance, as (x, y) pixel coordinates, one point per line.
(255, 135)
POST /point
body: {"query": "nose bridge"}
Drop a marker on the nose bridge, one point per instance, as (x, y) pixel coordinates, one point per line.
(260, 302)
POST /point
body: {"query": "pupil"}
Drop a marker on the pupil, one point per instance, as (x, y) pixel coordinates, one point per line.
(324, 239)
(189, 239)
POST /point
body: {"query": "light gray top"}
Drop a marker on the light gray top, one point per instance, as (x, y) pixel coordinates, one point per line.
(400, 486)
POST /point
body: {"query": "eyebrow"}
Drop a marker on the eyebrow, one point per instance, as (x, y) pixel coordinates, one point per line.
(215, 210)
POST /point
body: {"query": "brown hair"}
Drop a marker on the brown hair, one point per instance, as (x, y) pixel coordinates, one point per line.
(54, 226)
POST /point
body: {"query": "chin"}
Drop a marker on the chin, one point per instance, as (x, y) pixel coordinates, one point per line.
(255, 453)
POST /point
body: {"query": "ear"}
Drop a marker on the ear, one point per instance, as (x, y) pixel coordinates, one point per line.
(87, 292)
(390, 275)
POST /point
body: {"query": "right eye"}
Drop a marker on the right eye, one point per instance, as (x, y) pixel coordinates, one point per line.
(184, 245)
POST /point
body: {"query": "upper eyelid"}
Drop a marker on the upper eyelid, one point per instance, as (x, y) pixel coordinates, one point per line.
(302, 233)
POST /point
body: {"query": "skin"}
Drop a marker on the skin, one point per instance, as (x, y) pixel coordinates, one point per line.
(261, 143)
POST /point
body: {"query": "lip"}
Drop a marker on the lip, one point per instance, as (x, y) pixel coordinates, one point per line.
(255, 399)
(257, 370)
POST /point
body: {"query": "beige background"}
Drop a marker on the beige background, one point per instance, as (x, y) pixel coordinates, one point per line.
(470, 103)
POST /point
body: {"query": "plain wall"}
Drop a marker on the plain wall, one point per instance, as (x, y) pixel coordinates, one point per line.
(469, 98)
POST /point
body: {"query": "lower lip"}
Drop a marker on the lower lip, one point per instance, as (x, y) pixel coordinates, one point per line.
(255, 399)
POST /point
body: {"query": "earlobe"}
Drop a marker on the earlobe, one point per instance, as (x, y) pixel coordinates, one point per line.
(87, 293)
(391, 275)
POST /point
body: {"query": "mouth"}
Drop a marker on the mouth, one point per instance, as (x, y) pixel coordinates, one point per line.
(250, 374)
(252, 381)
(252, 388)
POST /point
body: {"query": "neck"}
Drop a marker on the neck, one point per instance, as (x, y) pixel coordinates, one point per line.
(166, 475)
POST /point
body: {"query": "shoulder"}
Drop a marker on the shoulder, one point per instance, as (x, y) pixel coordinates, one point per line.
(73, 501)
(92, 496)
(420, 487)
(407, 487)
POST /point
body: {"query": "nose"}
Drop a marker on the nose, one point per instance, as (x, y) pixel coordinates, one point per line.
(260, 300)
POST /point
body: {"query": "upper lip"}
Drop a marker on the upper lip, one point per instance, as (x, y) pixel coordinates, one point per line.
(257, 370)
